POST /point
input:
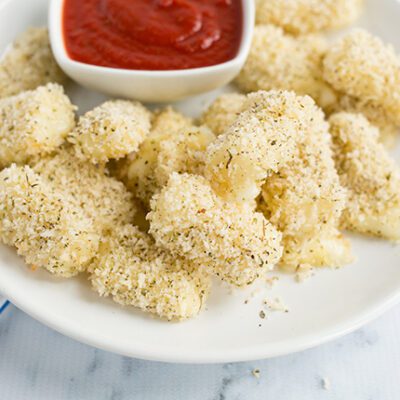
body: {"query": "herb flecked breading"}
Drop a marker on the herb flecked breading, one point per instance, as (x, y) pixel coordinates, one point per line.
(29, 63)
(305, 16)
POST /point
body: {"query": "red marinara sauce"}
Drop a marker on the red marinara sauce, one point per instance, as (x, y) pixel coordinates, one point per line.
(152, 34)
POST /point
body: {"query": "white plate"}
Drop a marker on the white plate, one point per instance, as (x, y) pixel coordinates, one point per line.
(326, 306)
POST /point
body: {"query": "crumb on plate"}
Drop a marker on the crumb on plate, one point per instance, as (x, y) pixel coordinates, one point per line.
(272, 280)
(276, 304)
(256, 373)
(326, 383)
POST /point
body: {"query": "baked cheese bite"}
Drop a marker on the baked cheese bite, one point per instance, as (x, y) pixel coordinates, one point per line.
(43, 224)
(230, 241)
(133, 271)
(103, 198)
(111, 131)
(260, 142)
(376, 115)
(304, 16)
(360, 65)
(281, 61)
(34, 123)
(371, 177)
(223, 112)
(29, 63)
(305, 200)
(174, 144)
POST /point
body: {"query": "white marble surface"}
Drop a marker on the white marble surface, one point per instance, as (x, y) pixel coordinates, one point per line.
(37, 363)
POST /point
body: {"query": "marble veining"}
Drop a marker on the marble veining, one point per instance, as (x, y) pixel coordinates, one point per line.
(37, 363)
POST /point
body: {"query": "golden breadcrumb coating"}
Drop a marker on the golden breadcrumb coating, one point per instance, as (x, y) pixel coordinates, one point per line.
(376, 115)
(174, 145)
(43, 224)
(29, 64)
(137, 170)
(184, 152)
(34, 123)
(362, 66)
(104, 199)
(303, 16)
(131, 269)
(370, 175)
(281, 61)
(328, 248)
(168, 121)
(305, 200)
(231, 241)
(111, 130)
(222, 113)
(261, 141)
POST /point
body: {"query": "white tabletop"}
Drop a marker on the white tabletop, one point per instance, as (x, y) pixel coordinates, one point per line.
(37, 363)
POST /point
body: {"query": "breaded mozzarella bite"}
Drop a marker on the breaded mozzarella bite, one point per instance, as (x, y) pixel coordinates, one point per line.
(133, 271)
(184, 152)
(305, 201)
(304, 16)
(44, 225)
(222, 113)
(29, 64)
(103, 198)
(327, 248)
(281, 61)
(174, 145)
(230, 241)
(111, 130)
(137, 171)
(34, 123)
(362, 66)
(261, 141)
(370, 175)
(376, 115)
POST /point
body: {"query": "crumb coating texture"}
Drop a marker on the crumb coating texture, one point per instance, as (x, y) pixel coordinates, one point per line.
(34, 123)
(362, 66)
(370, 175)
(174, 145)
(303, 16)
(223, 112)
(376, 115)
(44, 224)
(131, 269)
(230, 241)
(281, 61)
(305, 200)
(103, 198)
(261, 141)
(111, 130)
(29, 63)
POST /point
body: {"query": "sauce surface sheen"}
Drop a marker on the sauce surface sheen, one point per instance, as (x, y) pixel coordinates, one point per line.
(152, 34)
